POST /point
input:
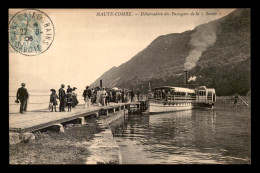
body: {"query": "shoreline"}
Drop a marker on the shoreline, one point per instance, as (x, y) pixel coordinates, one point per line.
(104, 148)
(91, 143)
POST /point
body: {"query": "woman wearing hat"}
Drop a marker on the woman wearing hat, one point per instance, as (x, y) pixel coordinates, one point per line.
(74, 97)
(53, 99)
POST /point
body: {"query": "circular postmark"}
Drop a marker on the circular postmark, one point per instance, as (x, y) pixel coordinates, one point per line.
(31, 32)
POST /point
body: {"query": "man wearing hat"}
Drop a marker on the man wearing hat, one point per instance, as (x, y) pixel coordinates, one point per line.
(22, 95)
(87, 95)
(69, 90)
(62, 98)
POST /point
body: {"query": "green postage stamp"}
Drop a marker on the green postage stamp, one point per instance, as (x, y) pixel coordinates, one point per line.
(31, 32)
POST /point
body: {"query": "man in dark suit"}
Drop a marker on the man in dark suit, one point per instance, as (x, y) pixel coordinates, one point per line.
(69, 89)
(62, 98)
(132, 94)
(22, 95)
(138, 94)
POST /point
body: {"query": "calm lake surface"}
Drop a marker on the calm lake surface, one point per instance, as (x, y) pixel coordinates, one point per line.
(219, 136)
(37, 100)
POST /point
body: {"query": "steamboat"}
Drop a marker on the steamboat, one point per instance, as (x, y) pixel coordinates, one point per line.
(170, 98)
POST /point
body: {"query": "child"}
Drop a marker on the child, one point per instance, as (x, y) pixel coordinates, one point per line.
(53, 99)
(69, 101)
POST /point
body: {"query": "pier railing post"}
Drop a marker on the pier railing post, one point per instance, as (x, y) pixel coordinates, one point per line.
(81, 120)
(57, 127)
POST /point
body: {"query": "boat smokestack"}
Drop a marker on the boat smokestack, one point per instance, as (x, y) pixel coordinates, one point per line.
(185, 77)
(100, 83)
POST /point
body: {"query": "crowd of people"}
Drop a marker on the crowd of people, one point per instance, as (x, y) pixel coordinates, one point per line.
(102, 96)
(99, 96)
(68, 99)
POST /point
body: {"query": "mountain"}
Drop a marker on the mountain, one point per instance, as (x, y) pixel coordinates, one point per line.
(217, 53)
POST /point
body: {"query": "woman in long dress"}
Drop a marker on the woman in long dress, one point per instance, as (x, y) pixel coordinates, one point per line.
(103, 96)
(98, 97)
(74, 97)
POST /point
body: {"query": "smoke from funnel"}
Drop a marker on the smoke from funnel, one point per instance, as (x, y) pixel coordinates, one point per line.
(204, 37)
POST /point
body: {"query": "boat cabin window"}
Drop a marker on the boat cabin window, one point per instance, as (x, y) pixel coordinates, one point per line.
(165, 92)
(162, 93)
(191, 94)
(202, 93)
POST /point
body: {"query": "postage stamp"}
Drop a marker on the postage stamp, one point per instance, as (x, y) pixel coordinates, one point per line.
(31, 32)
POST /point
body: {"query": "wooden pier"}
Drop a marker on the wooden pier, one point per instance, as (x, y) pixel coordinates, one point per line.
(40, 119)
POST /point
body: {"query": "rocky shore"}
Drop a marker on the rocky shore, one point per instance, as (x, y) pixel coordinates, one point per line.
(91, 143)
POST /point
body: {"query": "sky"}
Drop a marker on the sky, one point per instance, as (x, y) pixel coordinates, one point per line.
(87, 45)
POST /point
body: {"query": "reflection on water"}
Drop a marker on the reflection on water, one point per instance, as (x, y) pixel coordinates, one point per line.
(185, 137)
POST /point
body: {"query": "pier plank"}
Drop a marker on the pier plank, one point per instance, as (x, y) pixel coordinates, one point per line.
(35, 120)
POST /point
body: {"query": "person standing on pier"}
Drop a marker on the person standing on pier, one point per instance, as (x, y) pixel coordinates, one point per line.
(62, 98)
(69, 101)
(138, 94)
(132, 94)
(118, 96)
(126, 96)
(123, 95)
(74, 97)
(53, 99)
(93, 96)
(108, 97)
(69, 89)
(113, 96)
(22, 95)
(98, 96)
(87, 95)
(103, 96)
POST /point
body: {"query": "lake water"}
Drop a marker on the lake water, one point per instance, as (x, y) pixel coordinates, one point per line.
(219, 136)
(37, 100)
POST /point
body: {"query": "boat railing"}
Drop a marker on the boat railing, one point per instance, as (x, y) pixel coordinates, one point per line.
(143, 97)
(186, 99)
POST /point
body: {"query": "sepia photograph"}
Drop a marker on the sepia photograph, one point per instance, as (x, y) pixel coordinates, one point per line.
(129, 86)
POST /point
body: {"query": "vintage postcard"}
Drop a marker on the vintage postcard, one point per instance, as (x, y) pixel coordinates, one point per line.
(129, 86)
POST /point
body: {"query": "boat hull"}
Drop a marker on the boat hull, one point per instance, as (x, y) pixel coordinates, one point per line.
(157, 107)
